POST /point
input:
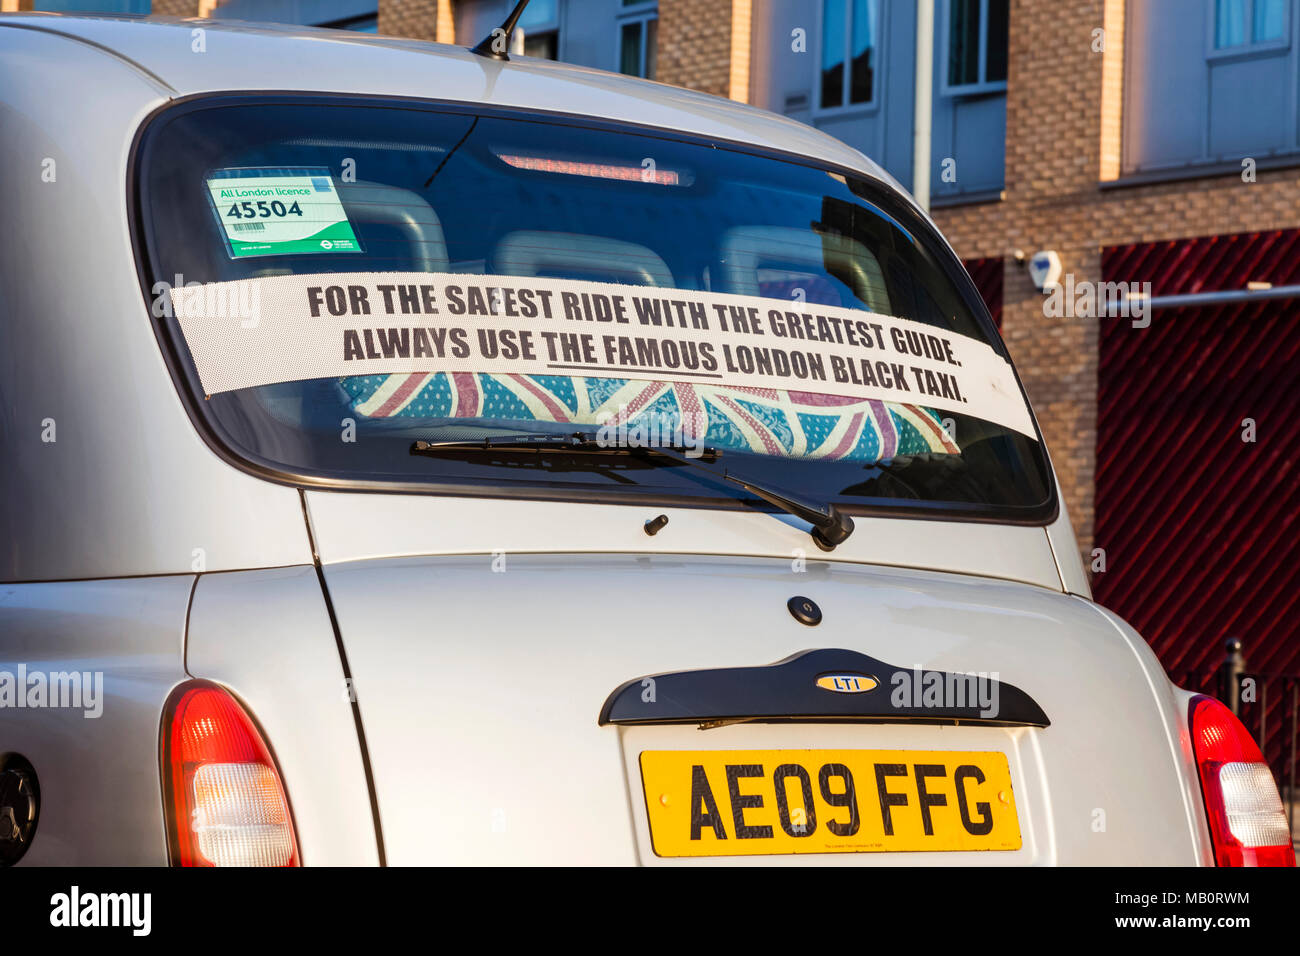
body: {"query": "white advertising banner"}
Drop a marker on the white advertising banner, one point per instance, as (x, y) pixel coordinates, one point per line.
(252, 332)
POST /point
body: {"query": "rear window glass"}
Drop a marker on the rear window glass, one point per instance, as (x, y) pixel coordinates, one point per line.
(338, 280)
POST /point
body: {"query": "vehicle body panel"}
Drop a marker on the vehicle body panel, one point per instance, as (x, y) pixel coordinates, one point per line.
(127, 487)
(101, 795)
(510, 655)
(267, 635)
(352, 527)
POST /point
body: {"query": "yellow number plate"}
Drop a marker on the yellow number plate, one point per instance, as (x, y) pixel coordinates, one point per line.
(745, 802)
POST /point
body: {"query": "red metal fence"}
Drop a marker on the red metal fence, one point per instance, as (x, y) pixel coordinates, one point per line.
(1199, 524)
(987, 274)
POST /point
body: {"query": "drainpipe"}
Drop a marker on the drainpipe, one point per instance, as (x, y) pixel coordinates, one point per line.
(923, 107)
(1223, 298)
(1191, 299)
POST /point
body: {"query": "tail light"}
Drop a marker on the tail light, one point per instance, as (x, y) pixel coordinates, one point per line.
(225, 803)
(1247, 824)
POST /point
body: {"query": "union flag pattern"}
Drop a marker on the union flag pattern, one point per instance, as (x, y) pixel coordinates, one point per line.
(763, 421)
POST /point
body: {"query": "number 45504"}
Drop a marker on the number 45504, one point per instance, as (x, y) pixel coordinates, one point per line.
(263, 210)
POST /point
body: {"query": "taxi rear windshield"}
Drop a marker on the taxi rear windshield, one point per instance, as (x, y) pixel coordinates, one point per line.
(337, 280)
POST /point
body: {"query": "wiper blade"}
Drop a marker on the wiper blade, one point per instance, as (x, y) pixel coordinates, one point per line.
(542, 441)
(830, 526)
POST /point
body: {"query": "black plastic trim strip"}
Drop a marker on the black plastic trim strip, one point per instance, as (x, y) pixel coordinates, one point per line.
(787, 691)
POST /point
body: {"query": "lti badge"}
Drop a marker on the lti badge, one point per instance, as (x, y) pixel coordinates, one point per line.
(847, 683)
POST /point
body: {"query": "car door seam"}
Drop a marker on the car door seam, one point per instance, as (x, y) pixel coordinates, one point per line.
(185, 631)
(347, 675)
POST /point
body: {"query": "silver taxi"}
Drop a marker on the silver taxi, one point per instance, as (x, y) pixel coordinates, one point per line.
(411, 456)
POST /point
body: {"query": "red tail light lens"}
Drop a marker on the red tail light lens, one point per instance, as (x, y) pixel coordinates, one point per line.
(1247, 823)
(225, 803)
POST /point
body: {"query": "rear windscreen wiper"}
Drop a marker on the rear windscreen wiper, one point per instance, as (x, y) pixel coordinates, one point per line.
(830, 526)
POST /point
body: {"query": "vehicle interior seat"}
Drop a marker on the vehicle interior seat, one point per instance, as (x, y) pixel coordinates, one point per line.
(747, 249)
(534, 253)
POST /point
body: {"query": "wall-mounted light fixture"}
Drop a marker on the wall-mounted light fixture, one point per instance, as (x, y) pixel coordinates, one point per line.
(1045, 269)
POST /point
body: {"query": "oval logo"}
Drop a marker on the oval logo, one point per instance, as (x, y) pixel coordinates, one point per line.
(847, 683)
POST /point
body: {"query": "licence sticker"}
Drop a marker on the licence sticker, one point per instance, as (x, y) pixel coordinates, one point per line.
(276, 212)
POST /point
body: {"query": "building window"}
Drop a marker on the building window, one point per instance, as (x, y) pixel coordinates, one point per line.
(1241, 25)
(540, 23)
(848, 36)
(976, 34)
(638, 38)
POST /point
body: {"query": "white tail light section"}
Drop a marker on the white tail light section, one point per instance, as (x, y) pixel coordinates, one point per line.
(226, 805)
(1254, 809)
(240, 817)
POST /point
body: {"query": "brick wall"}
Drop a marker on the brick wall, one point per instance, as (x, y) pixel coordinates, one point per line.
(417, 19)
(695, 44)
(1063, 132)
(175, 8)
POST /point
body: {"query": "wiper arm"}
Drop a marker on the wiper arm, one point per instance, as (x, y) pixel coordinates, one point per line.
(830, 526)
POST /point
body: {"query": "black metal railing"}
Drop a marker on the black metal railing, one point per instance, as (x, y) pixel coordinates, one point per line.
(1268, 704)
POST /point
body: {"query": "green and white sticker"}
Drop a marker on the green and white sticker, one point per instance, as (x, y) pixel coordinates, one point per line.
(280, 212)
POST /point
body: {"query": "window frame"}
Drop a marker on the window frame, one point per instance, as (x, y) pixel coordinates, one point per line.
(1138, 169)
(944, 41)
(636, 11)
(1249, 49)
(846, 82)
(892, 202)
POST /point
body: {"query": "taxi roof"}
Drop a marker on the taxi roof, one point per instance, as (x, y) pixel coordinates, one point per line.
(239, 56)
